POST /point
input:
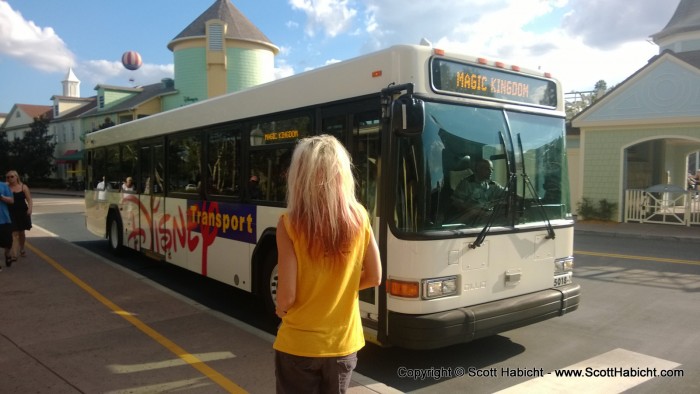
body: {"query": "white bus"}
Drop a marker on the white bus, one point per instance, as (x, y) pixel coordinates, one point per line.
(210, 185)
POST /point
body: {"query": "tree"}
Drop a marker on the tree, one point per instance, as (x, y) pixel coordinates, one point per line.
(601, 87)
(33, 154)
(578, 101)
(4, 151)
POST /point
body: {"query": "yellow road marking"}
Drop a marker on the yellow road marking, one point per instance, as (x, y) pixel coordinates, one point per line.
(631, 257)
(195, 362)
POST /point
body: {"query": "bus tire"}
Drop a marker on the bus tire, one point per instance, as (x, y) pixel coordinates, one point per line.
(268, 284)
(114, 234)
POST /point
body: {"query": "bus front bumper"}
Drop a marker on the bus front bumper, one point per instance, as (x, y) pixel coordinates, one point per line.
(462, 325)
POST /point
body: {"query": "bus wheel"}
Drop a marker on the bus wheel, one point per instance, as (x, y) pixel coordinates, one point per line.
(114, 234)
(269, 284)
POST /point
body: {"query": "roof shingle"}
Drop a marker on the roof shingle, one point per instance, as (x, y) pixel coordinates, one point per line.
(239, 27)
(686, 18)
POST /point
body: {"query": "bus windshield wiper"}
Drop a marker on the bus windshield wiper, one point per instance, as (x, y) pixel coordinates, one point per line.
(505, 196)
(494, 212)
(528, 183)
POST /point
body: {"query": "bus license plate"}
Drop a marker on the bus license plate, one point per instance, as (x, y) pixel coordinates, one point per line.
(562, 280)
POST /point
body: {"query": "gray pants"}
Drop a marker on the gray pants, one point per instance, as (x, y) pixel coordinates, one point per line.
(296, 374)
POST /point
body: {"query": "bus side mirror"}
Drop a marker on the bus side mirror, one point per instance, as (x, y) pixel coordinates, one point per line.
(408, 116)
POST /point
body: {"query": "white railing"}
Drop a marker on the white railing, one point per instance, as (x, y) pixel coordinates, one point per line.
(667, 205)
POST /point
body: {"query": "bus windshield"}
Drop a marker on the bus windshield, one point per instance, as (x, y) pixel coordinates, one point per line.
(475, 167)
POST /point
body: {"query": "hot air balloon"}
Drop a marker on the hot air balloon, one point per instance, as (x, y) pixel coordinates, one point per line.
(131, 60)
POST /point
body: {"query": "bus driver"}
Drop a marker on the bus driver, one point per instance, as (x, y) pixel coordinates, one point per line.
(477, 193)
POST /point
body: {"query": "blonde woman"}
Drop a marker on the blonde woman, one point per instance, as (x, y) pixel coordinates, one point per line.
(326, 254)
(20, 211)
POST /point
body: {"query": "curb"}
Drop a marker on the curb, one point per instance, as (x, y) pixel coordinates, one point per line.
(662, 237)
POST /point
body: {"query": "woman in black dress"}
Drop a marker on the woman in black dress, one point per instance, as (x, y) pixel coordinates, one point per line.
(20, 211)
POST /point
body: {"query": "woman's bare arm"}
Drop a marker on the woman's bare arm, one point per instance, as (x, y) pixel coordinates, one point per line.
(286, 271)
(371, 266)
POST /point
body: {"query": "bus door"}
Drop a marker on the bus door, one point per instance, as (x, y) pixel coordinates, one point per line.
(358, 125)
(365, 150)
(152, 164)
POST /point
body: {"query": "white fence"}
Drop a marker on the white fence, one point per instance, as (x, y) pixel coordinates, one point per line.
(670, 206)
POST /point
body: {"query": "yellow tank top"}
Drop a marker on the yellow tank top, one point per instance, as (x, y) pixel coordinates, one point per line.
(325, 318)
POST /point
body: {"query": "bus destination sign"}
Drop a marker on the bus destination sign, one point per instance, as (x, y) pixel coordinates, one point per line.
(279, 136)
(470, 79)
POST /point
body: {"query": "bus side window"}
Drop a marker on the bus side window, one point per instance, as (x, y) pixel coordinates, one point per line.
(223, 162)
(159, 170)
(145, 167)
(129, 164)
(268, 176)
(184, 164)
(279, 182)
(270, 154)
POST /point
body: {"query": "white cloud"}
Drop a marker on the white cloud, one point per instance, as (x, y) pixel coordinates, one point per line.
(609, 23)
(580, 66)
(579, 41)
(37, 47)
(282, 69)
(332, 17)
(285, 50)
(390, 22)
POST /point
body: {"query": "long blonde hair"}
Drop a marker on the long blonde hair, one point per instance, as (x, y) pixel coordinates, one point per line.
(321, 198)
(16, 175)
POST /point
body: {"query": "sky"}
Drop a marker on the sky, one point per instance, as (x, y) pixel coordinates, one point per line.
(580, 42)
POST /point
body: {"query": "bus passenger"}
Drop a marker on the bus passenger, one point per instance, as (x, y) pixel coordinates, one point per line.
(128, 185)
(254, 187)
(102, 188)
(326, 254)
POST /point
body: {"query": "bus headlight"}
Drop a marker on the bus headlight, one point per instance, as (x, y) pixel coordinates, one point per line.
(563, 265)
(439, 287)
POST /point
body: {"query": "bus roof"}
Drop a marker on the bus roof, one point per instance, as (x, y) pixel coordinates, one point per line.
(360, 76)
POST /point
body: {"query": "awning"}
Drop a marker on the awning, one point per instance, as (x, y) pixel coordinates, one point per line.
(70, 155)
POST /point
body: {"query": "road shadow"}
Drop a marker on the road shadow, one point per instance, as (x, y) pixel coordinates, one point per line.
(389, 365)
(211, 293)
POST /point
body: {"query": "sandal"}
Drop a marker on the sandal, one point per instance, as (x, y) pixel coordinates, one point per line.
(8, 261)
(23, 253)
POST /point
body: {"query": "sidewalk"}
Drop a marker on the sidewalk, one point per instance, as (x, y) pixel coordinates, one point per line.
(58, 192)
(668, 232)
